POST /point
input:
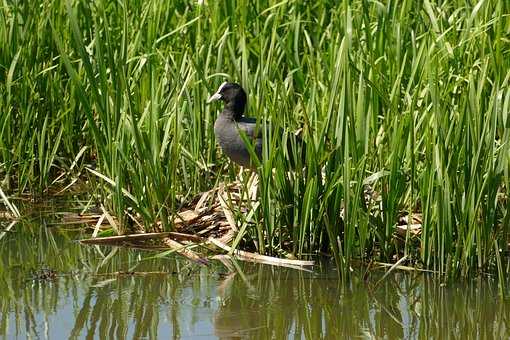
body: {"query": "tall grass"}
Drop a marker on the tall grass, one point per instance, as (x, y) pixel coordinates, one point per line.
(407, 99)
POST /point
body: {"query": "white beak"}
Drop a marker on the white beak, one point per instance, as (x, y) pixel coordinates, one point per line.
(217, 95)
(214, 97)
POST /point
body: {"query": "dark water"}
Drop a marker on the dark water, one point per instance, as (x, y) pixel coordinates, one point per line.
(51, 287)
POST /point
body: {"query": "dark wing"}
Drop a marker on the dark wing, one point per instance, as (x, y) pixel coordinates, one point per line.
(253, 132)
(249, 126)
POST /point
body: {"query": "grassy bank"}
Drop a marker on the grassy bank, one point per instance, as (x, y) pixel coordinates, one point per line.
(407, 100)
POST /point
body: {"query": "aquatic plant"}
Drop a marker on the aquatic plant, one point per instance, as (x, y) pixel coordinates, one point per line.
(404, 108)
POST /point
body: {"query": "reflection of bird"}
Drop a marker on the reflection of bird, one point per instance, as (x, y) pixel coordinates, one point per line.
(231, 121)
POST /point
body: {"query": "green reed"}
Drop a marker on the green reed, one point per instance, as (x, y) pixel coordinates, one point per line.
(410, 100)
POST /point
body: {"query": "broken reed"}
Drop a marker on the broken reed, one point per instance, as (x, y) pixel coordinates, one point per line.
(409, 100)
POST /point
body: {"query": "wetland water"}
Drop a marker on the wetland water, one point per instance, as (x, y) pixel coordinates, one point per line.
(51, 287)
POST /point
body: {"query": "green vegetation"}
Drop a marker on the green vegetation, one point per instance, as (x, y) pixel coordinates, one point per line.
(410, 98)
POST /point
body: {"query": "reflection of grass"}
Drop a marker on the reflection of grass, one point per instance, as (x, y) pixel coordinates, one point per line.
(102, 297)
(284, 303)
(125, 296)
(409, 98)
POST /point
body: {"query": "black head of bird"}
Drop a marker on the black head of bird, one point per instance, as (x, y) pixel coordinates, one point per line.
(234, 97)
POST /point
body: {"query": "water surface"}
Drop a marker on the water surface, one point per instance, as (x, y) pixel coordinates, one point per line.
(51, 287)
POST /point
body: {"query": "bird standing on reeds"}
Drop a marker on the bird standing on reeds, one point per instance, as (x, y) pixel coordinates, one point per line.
(231, 121)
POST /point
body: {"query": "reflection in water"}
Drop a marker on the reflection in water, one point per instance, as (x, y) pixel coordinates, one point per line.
(117, 293)
(276, 303)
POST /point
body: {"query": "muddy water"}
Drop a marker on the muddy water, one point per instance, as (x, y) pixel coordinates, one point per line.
(51, 287)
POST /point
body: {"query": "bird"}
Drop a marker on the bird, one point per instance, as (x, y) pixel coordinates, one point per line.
(231, 121)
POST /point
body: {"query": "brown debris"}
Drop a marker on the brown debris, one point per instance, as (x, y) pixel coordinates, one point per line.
(211, 224)
(413, 225)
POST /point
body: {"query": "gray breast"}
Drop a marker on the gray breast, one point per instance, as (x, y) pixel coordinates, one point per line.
(231, 143)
